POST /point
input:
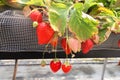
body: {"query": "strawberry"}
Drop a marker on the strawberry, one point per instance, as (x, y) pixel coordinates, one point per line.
(119, 43)
(44, 33)
(65, 46)
(35, 15)
(74, 44)
(86, 46)
(54, 41)
(55, 65)
(66, 67)
(43, 63)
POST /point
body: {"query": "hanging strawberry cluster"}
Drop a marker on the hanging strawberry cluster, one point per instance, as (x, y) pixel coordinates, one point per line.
(60, 25)
(79, 24)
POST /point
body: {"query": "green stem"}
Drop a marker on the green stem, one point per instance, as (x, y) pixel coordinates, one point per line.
(55, 52)
(44, 51)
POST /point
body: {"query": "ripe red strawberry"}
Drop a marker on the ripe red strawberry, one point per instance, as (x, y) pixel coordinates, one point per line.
(66, 67)
(119, 43)
(44, 33)
(86, 46)
(55, 65)
(65, 46)
(36, 16)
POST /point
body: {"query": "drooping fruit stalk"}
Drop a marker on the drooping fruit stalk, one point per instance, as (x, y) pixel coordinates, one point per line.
(43, 62)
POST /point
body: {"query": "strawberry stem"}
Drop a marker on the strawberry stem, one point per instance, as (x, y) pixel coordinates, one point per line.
(44, 51)
(56, 52)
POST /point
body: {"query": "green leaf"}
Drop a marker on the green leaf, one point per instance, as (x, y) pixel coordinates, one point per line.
(83, 25)
(58, 14)
(1, 3)
(88, 4)
(116, 28)
(104, 35)
(32, 2)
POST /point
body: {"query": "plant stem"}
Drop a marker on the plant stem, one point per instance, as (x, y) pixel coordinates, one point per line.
(55, 52)
(44, 51)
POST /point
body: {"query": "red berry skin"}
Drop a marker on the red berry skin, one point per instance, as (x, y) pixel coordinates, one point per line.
(66, 68)
(55, 65)
(87, 46)
(44, 33)
(65, 46)
(36, 16)
(119, 43)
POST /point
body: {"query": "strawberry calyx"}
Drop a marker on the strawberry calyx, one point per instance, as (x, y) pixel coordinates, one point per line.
(67, 63)
(56, 60)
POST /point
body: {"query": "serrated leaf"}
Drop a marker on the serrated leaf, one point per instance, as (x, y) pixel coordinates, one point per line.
(116, 28)
(103, 35)
(58, 14)
(83, 25)
(88, 4)
(105, 11)
(32, 2)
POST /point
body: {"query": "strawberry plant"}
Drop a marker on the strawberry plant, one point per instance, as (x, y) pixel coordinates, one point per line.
(80, 24)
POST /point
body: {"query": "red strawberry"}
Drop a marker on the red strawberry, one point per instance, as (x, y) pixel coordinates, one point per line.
(54, 41)
(36, 16)
(55, 65)
(86, 46)
(44, 33)
(65, 46)
(66, 67)
(119, 43)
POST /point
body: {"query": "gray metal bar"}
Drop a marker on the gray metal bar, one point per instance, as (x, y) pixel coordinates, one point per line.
(15, 69)
(104, 68)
